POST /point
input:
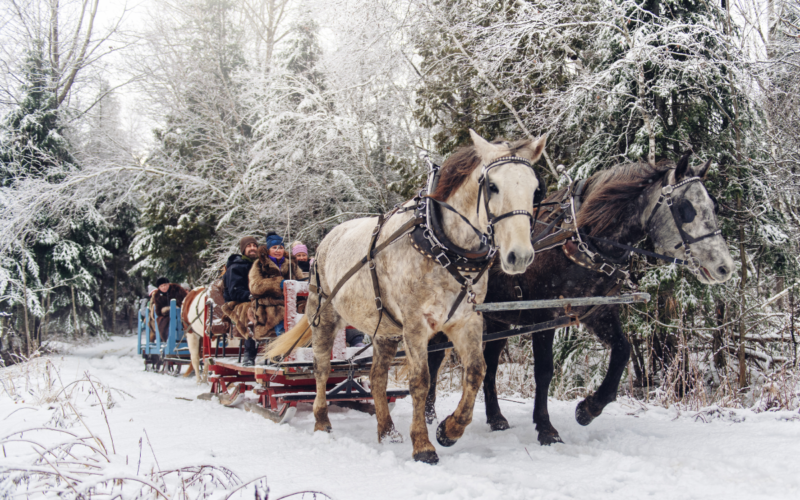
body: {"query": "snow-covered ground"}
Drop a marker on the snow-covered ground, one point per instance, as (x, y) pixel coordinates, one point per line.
(628, 452)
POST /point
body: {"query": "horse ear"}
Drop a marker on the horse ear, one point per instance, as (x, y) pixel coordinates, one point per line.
(484, 148)
(533, 149)
(702, 171)
(682, 166)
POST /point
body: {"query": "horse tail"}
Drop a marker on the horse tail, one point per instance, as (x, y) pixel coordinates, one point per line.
(298, 336)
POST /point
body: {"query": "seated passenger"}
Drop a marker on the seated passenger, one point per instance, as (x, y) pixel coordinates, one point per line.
(300, 255)
(237, 291)
(269, 272)
(162, 296)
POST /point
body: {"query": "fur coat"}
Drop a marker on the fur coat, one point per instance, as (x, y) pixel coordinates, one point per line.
(265, 286)
(161, 300)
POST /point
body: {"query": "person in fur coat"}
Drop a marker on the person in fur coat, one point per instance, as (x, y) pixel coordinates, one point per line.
(236, 291)
(273, 267)
(162, 296)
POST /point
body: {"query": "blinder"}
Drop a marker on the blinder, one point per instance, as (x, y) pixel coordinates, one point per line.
(686, 211)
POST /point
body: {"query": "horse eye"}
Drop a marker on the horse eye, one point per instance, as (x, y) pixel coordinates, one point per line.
(687, 211)
(493, 188)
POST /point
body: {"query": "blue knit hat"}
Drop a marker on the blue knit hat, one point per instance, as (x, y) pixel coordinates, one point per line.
(273, 239)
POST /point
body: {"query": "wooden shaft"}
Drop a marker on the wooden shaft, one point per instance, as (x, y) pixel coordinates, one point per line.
(573, 302)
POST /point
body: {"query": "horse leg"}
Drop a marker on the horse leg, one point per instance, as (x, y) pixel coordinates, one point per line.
(383, 351)
(418, 383)
(607, 327)
(491, 354)
(193, 340)
(322, 338)
(434, 364)
(467, 342)
(543, 374)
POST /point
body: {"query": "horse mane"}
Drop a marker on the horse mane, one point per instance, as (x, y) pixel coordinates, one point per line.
(611, 192)
(457, 168)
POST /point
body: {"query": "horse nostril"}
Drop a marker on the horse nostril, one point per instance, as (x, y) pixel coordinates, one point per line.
(722, 270)
(512, 258)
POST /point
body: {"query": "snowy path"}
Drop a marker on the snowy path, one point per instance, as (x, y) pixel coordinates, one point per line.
(623, 454)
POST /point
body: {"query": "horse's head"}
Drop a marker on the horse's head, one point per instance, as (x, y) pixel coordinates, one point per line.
(681, 219)
(505, 201)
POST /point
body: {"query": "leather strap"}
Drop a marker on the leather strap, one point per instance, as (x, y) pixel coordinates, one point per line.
(374, 274)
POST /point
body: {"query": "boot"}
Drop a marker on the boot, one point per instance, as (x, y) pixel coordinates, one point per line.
(250, 351)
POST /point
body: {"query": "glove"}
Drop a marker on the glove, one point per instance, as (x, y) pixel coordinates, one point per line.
(165, 310)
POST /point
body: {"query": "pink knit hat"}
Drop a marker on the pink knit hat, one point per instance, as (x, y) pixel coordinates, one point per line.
(299, 249)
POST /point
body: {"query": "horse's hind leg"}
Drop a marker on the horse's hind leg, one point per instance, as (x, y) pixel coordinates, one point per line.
(606, 325)
(322, 337)
(467, 342)
(383, 351)
(491, 354)
(193, 340)
(543, 374)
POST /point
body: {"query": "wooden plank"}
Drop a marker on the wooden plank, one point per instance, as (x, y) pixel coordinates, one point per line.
(572, 302)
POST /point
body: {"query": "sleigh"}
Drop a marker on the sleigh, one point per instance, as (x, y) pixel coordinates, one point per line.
(162, 356)
(280, 387)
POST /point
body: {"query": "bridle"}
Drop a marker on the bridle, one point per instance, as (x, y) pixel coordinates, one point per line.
(483, 185)
(665, 198)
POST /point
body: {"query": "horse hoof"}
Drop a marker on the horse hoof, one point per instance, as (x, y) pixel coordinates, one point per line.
(323, 427)
(583, 413)
(428, 457)
(392, 435)
(546, 439)
(441, 435)
(498, 423)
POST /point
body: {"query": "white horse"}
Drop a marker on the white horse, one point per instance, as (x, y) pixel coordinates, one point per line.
(419, 292)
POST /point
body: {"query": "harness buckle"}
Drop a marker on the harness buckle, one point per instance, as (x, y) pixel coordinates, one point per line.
(668, 189)
(439, 260)
(492, 252)
(610, 270)
(371, 264)
(378, 304)
(519, 291)
(668, 200)
(490, 228)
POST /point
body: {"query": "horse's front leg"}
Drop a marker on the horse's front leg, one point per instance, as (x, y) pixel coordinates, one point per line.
(543, 374)
(383, 352)
(467, 342)
(606, 325)
(416, 343)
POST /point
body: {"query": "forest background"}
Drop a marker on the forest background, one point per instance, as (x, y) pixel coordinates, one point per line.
(144, 140)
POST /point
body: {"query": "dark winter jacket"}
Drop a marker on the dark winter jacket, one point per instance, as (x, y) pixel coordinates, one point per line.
(236, 281)
(161, 300)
